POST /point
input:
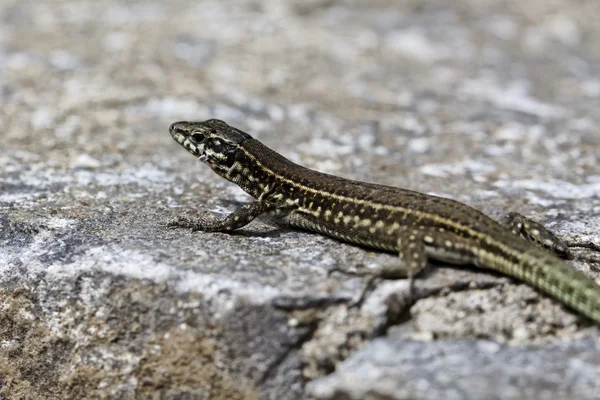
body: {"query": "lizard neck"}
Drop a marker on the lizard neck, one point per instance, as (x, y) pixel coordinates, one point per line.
(256, 167)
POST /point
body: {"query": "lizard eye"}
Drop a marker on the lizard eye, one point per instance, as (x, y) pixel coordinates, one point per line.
(198, 138)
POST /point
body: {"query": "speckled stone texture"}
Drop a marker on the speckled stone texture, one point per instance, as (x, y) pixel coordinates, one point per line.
(493, 103)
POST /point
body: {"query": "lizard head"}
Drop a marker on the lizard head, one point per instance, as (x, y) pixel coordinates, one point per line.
(212, 141)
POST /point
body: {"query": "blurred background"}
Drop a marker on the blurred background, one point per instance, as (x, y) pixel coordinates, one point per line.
(88, 82)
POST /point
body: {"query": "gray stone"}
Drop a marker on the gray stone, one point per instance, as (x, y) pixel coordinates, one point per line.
(460, 369)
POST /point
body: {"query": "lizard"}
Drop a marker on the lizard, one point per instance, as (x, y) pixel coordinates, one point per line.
(416, 226)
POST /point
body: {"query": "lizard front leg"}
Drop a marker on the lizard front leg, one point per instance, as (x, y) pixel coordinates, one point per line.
(237, 219)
